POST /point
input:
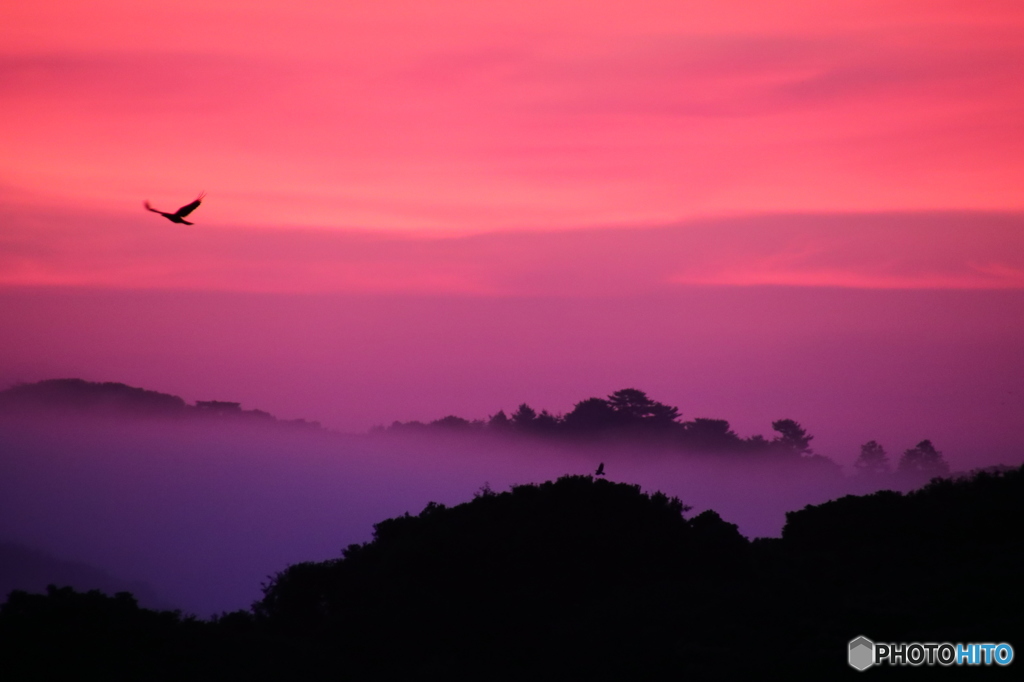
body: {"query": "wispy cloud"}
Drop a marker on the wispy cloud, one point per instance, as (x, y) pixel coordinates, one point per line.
(888, 251)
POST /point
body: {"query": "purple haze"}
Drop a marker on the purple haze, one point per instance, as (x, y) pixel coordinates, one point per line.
(203, 511)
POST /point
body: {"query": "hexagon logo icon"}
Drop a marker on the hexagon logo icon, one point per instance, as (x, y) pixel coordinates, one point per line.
(862, 653)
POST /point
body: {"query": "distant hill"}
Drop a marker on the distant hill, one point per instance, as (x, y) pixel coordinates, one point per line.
(78, 394)
(25, 568)
(88, 397)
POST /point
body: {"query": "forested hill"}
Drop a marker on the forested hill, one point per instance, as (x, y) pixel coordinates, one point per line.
(581, 578)
(629, 417)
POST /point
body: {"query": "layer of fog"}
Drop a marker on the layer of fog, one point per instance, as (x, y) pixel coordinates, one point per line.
(204, 511)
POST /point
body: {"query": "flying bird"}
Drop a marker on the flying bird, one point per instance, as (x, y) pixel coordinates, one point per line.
(179, 215)
(600, 470)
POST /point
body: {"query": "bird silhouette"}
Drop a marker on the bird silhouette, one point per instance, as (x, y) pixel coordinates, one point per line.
(600, 470)
(179, 215)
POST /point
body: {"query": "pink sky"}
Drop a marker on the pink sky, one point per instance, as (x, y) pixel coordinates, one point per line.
(579, 153)
(473, 116)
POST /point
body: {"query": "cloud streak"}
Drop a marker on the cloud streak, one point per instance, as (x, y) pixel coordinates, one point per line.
(879, 251)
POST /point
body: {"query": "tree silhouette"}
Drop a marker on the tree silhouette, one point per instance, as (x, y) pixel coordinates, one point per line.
(660, 414)
(546, 422)
(524, 417)
(631, 405)
(923, 459)
(590, 416)
(872, 460)
(499, 422)
(792, 437)
(452, 422)
(710, 434)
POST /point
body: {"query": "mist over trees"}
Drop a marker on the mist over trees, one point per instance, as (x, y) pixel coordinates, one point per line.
(625, 416)
(872, 461)
(630, 417)
(628, 420)
(923, 459)
(574, 578)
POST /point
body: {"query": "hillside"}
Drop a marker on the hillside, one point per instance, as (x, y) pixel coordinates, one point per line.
(586, 579)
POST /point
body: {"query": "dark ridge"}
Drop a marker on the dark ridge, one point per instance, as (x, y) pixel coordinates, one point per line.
(984, 508)
(70, 635)
(587, 577)
(580, 578)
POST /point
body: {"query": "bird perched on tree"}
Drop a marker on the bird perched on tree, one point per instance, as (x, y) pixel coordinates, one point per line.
(179, 215)
(600, 470)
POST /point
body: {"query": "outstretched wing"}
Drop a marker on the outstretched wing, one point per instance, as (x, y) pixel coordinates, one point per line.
(150, 208)
(188, 208)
